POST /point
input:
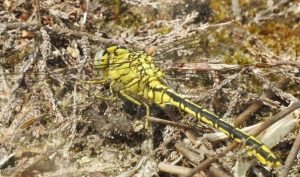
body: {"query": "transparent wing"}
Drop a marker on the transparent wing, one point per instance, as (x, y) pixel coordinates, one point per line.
(190, 60)
(194, 64)
(32, 97)
(222, 43)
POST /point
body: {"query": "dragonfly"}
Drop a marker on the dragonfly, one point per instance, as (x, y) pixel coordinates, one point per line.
(137, 77)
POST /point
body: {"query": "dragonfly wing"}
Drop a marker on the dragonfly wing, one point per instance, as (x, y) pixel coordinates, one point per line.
(214, 44)
(196, 61)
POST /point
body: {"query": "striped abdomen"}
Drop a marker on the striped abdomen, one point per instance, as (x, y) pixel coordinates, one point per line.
(163, 95)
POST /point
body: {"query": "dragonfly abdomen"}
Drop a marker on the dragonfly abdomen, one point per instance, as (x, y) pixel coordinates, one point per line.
(163, 95)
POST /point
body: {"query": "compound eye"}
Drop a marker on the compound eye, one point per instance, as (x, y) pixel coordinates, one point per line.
(99, 60)
(122, 47)
(121, 50)
(100, 54)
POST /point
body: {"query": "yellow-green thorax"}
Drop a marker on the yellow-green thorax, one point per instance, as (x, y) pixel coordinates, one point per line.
(130, 72)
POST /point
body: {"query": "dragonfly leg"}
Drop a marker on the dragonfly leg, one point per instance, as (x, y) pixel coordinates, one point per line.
(106, 98)
(100, 81)
(139, 103)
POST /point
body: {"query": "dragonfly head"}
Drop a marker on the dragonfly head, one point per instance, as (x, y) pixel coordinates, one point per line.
(101, 59)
